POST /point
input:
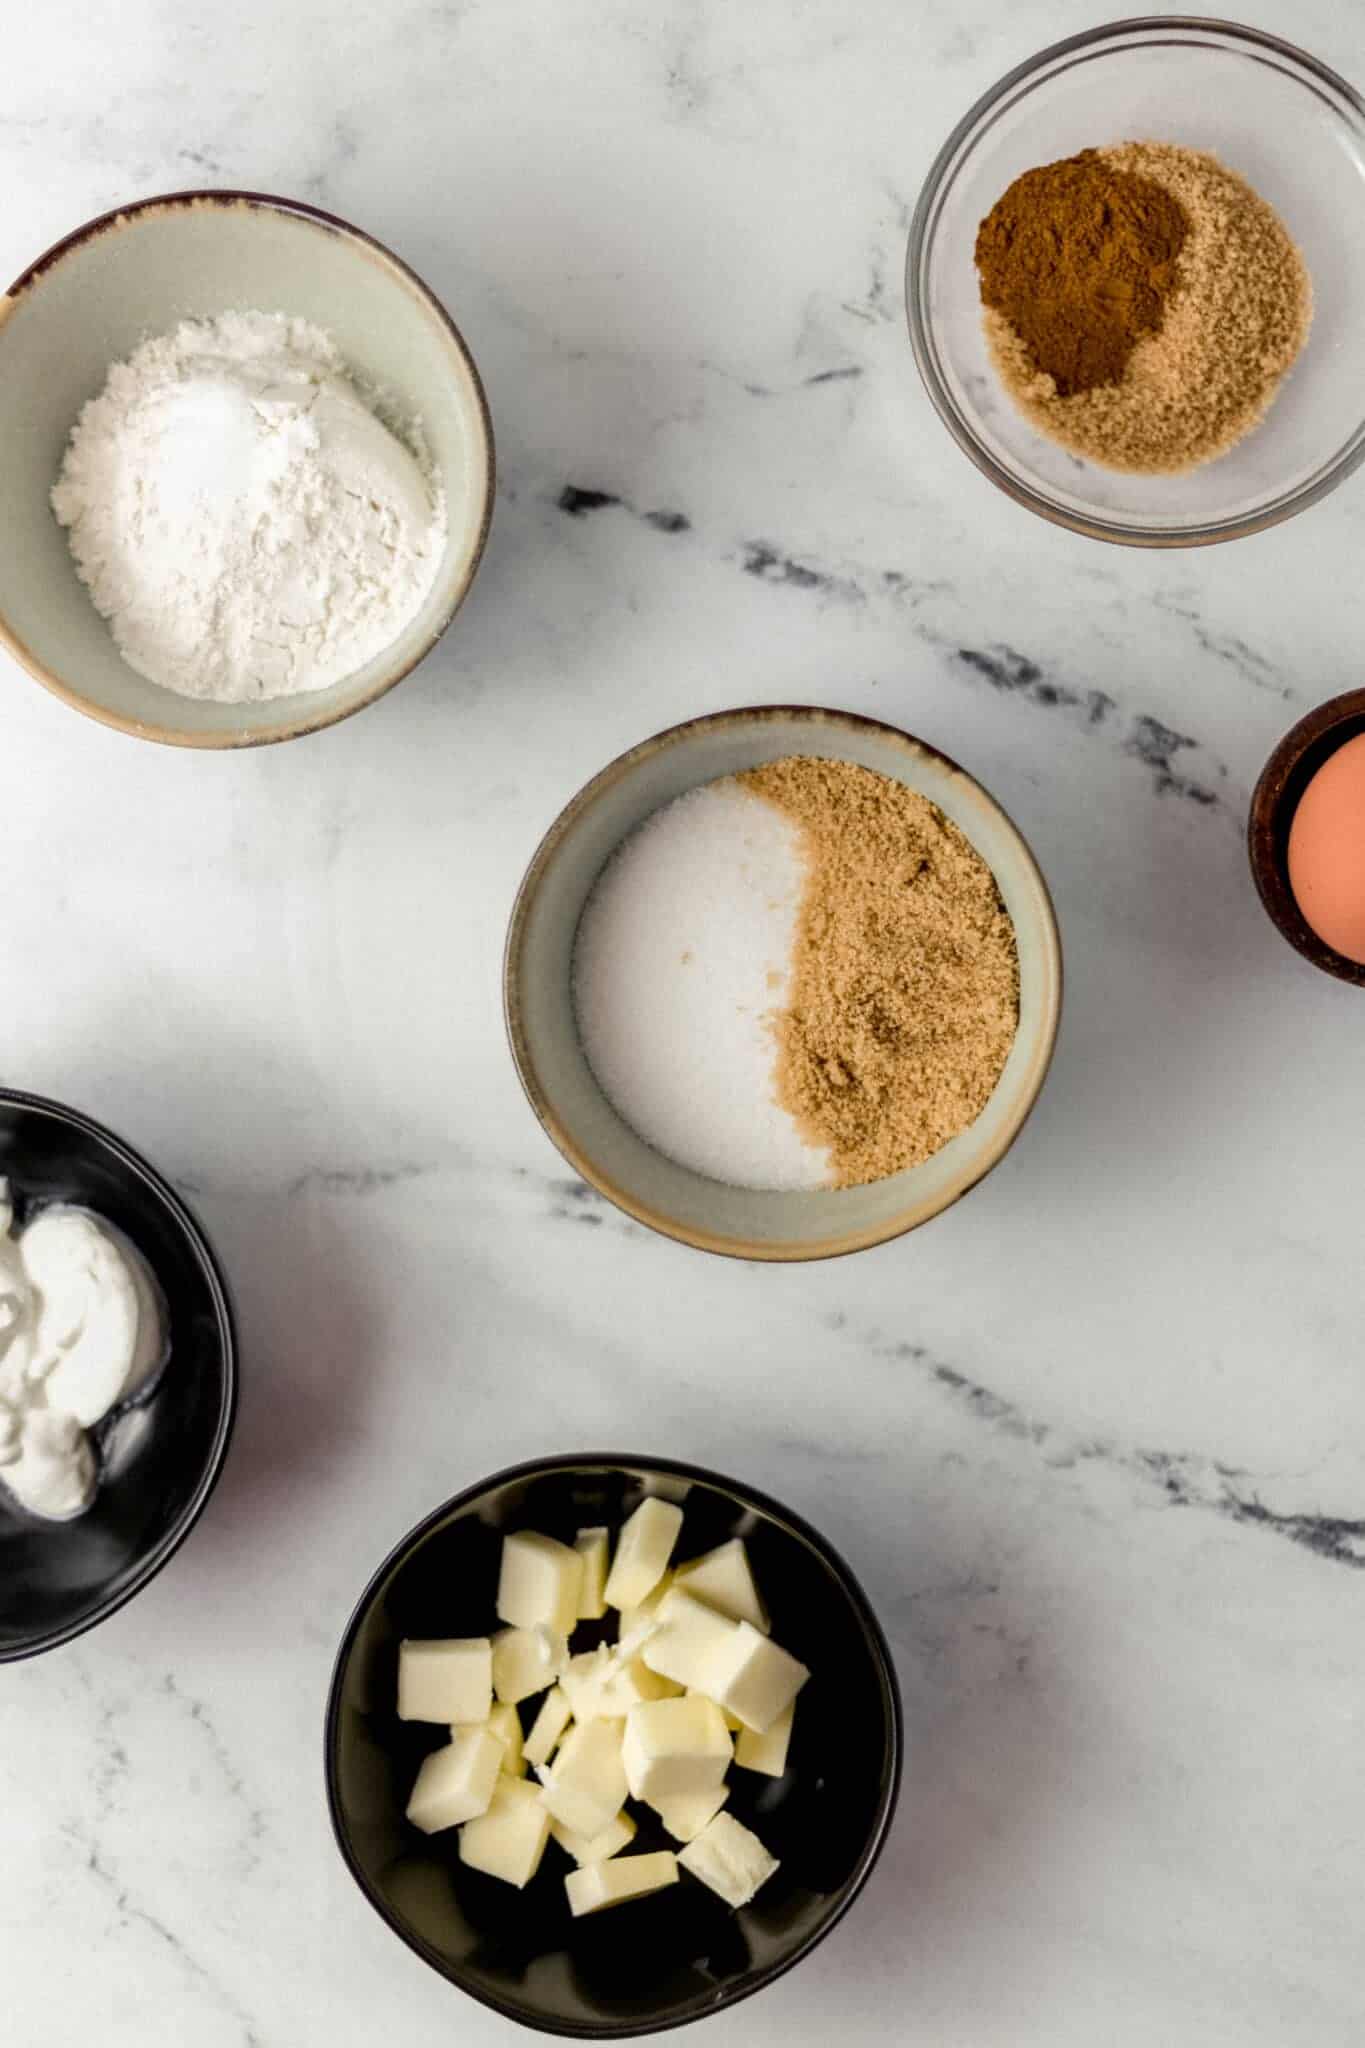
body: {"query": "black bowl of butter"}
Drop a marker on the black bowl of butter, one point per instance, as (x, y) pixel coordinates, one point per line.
(530, 1941)
(117, 1373)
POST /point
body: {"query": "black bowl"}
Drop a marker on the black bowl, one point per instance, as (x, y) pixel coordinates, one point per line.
(159, 1457)
(658, 1962)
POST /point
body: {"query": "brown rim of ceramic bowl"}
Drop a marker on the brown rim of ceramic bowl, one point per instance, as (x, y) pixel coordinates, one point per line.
(779, 1252)
(1286, 775)
(333, 223)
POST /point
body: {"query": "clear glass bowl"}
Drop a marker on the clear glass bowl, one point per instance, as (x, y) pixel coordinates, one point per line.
(1288, 125)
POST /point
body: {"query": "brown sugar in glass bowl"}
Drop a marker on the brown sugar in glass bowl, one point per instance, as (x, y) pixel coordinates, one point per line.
(1285, 777)
(1290, 125)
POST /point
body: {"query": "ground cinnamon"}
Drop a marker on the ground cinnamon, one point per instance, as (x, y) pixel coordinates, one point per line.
(904, 994)
(1236, 319)
(1079, 257)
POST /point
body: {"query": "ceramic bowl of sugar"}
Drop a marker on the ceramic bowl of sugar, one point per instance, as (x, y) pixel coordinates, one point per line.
(397, 392)
(649, 980)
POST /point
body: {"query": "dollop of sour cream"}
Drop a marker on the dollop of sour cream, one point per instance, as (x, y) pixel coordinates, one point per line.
(81, 1330)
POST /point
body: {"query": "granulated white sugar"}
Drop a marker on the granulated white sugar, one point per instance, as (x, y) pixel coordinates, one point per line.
(682, 956)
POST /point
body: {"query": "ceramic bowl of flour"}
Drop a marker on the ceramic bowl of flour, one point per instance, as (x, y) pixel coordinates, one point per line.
(111, 286)
(697, 1207)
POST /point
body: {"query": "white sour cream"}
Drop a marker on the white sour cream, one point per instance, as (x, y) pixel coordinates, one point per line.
(81, 1329)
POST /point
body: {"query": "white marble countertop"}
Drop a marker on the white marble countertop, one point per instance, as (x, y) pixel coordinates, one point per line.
(1094, 1439)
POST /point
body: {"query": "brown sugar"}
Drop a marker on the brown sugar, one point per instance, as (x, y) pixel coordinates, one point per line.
(1235, 319)
(1079, 258)
(904, 992)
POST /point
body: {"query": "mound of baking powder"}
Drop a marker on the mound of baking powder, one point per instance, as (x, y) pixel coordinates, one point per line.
(244, 520)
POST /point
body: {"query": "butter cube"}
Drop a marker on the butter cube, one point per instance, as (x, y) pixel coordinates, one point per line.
(729, 1858)
(585, 1787)
(592, 1547)
(540, 1583)
(509, 1840)
(685, 1818)
(526, 1661)
(635, 1620)
(725, 1580)
(554, 1717)
(754, 1678)
(615, 1836)
(767, 1752)
(642, 1552)
(634, 1682)
(623, 1877)
(504, 1723)
(732, 1721)
(601, 1687)
(456, 1783)
(675, 1749)
(445, 1679)
(686, 1640)
(585, 1679)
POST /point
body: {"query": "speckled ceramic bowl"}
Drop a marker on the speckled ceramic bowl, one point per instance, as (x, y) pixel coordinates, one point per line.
(560, 1084)
(189, 256)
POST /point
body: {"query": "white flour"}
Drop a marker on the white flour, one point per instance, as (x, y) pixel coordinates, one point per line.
(244, 521)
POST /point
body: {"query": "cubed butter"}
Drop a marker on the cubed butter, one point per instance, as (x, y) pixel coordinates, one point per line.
(527, 1661)
(675, 1749)
(687, 1639)
(633, 1682)
(554, 1717)
(685, 1818)
(732, 1721)
(767, 1752)
(509, 1840)
(642, 1552)
(615, 1836)
(592, 1546)
(754, 1678)
(635, 1620)
(729, 1858)
(585, 1678)
(603, 1687)
(540, 1583)
(456, 1784)
(585, 1787)
(447, 1679)
(504, 1723)
(624, 1877)
(724, 1579)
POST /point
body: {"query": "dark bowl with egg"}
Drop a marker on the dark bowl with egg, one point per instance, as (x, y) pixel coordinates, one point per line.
(682, 1953)
(159, 1453)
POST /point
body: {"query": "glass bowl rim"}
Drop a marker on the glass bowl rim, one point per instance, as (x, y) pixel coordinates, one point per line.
(1126, 33)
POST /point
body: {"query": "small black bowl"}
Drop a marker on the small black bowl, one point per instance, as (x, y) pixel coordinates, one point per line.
(1286, 775)
(159, 1457)
(658, 1962)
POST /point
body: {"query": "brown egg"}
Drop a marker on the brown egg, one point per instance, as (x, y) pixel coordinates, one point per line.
(1327, 851)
